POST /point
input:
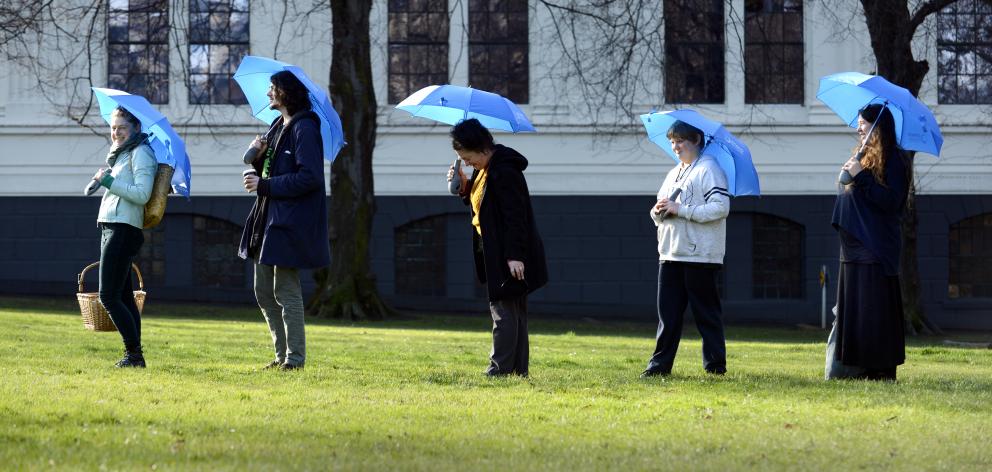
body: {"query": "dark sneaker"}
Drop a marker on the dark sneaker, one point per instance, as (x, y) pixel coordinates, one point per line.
(717, 371)
(132, 359)
(288, 366)
(272, 365)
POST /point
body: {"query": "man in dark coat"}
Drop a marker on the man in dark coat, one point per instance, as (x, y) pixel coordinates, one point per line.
(509, 254)
(287, 228)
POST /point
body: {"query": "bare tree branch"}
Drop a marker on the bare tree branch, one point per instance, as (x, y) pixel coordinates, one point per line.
(926, 9)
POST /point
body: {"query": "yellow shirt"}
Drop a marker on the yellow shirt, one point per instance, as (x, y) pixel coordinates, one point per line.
(478, 190)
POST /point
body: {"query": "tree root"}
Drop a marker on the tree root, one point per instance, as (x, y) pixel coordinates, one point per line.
(355, 300)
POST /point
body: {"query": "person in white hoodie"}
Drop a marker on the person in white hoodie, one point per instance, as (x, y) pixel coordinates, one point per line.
(691, 216)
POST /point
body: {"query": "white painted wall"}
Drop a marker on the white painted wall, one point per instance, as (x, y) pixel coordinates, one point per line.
(797, 149)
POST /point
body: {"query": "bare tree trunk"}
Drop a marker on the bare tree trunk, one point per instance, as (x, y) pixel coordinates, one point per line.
(892, 28)
(347, 289)
(909, 262)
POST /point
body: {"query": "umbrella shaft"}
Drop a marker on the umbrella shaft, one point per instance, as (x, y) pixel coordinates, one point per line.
(864, 143)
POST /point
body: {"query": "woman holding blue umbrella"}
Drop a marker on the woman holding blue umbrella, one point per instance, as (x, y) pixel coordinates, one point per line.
(868, 340)
(128, 181)
(509, 253)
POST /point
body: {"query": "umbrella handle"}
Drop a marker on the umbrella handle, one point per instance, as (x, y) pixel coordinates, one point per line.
(454, 187)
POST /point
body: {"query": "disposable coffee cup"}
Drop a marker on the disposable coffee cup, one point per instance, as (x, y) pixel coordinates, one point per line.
(248, 172)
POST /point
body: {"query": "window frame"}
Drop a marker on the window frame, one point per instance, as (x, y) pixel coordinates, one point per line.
(714, 91)
(214, 39)
(949, 20)
(504, 45)
(433, 46)
(155, 54)
(759, 75)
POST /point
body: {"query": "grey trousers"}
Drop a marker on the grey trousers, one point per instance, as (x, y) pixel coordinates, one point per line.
(511, 346)
(278, 292)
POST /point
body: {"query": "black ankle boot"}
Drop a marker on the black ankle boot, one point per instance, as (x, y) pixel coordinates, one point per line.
(133, 357)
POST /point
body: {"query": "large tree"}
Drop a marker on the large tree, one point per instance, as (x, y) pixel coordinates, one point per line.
(347, 289)
(892, 25)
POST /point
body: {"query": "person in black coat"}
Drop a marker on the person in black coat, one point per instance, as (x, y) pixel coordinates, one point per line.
(509, 254)
(287, 227)
(868, 339)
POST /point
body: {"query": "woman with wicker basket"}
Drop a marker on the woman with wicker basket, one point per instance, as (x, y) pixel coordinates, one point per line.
(128, 180)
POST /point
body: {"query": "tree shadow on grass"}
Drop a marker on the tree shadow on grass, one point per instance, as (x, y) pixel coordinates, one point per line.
(475, 322)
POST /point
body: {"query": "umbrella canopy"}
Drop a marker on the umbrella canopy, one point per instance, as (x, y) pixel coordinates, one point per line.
(451, 104)
(254, 74)
(732, 155)
(847, 93)
(168, 147)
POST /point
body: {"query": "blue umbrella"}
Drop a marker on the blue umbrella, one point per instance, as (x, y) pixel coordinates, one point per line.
(732, 155)
(451, 104)
(168, 147)
(254, 74)
(847, 93)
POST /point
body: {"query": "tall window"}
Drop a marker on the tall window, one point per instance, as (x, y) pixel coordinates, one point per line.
(773, 51)
(498, 48)
(138, 48)
(217, 263)
(964, 45)
(218, 37)
(777, 266)
(418, 46)
(694, 45)
(970, 258)
(420, 258)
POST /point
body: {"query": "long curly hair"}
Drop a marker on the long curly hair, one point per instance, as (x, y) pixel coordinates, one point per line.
(882, 141)
(291, 92)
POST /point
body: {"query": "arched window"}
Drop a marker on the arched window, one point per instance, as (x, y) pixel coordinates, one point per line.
(777, 257)
(970, 258)
(420, 257)
(215, 253)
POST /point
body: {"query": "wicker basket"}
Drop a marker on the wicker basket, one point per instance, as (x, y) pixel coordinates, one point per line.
(95, 316)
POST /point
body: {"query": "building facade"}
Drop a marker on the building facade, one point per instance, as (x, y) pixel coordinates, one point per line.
(753, 65)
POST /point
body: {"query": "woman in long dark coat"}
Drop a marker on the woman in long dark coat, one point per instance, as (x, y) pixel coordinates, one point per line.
(868, 340)
(509, 253)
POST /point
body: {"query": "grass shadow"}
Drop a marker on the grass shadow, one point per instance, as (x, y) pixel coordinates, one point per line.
(477, 323)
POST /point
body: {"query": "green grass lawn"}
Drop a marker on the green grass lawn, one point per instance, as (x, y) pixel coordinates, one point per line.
(409, 394)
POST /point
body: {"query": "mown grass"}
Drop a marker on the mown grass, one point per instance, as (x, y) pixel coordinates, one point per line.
(408, 394)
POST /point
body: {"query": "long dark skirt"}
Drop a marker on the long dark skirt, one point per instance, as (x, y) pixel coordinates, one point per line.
(869, 318)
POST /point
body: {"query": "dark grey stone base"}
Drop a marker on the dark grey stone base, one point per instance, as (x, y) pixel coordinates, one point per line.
(601, 254)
